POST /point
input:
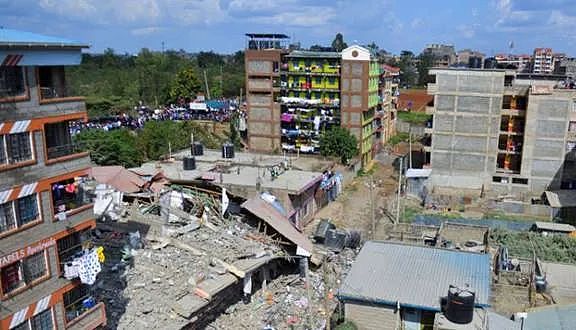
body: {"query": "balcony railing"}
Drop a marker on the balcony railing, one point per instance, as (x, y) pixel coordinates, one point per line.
(90, 319)
(432, 88)
(63, 150)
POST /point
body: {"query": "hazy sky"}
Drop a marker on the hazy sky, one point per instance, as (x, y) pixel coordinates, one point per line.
(219, 25)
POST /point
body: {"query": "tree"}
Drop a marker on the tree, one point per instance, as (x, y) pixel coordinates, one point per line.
(426, 61)
(339, 142)
(117, 147)
(338, 44)
(185, 84)
(407, 68)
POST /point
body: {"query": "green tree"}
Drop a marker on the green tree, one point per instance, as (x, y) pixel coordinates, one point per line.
(340, 143)
(116, 147)
(425, 62)
(407, 68)
(185, 84)
(338, 44)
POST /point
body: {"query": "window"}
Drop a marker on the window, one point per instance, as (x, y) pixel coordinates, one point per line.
(42, 321)
(7, 217)
(17, 213)
(519, 180)
(24, 272)
(76, 301)
(572, 126)
(70, 245)
(15, 148)
(11, 81)
(69, 194)
(27, 208)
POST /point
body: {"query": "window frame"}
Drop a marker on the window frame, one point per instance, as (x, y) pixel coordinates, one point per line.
(25, 96)
(18, 226)
(29, 324)
(8, 158)
(27, 283)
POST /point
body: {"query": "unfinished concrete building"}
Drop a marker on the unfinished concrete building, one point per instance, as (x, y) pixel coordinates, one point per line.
(499, 132)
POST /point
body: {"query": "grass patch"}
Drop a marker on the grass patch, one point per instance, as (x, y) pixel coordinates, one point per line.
(418, 118)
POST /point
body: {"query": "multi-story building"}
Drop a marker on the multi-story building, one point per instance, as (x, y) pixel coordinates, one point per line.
(543, 61)
(502, 132)
(470, 59)
(45, 215)
(444, 55)
(521, 63)
(294, 95)
(566, 67)
(385, 117)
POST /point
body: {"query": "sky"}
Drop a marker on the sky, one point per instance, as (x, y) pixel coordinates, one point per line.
(219, 25)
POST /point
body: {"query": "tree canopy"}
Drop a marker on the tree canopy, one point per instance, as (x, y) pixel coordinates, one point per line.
(339, 142)
(339, 44)
(117, 82)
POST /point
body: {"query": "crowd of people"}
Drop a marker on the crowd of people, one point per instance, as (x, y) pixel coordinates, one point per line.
(169, 113)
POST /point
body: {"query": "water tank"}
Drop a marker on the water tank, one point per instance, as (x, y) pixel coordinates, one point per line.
(460, 305)
(353, 239)
(335, 239)
(189, 163)
(197, 149)
(322, 230)
(228, 150)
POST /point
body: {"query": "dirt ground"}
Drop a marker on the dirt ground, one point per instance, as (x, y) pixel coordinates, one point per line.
(351, 210)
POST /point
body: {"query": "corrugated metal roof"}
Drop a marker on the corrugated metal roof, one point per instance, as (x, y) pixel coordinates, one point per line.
(553, 226)
(561, 198)
(9, 37)
(280, 223)
(414, 276)
(551, 317)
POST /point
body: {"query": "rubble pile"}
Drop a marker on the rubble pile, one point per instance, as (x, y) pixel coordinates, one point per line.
(288, 303)
(153, 266)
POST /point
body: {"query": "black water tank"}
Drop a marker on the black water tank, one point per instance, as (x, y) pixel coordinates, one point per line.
(335, 239)
(460, 305)
(197, 149)
(353, 239)
(227, 150)
(322, 229)
(189, 163)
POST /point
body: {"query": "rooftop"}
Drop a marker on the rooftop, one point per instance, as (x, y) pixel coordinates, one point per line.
(267, 35)
(15, 38)
(414, 276)
(556, 317)
(552, 226)
(313, 54)
(242, 170)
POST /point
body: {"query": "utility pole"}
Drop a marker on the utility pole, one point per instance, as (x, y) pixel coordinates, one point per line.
(206, 83)
(399, 188)
(372, 217)
(410, 146)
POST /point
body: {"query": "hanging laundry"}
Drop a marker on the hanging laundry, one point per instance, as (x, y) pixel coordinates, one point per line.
(100, 253)
(89, 267)
(286, 117)
(316, 122)
(72, 269)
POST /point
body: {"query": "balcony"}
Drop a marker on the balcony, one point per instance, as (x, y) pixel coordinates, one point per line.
(59, 142)
(70, 197)
(432, 89)
(52, 85)
(90, 319)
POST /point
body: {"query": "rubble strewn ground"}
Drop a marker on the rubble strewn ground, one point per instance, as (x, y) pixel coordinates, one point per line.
(163, 275)
(286, 303)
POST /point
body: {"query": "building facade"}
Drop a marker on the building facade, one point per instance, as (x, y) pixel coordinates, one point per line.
(444, 55)
(543, 61)
(293, 96)
(502, 132)
(521, 63)
(45, 218)
(385, 118)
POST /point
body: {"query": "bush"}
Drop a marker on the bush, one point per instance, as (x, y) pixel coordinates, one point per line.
(418, 118)
(340, 143)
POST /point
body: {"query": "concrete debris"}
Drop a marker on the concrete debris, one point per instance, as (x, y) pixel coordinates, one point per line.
(287, 302)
